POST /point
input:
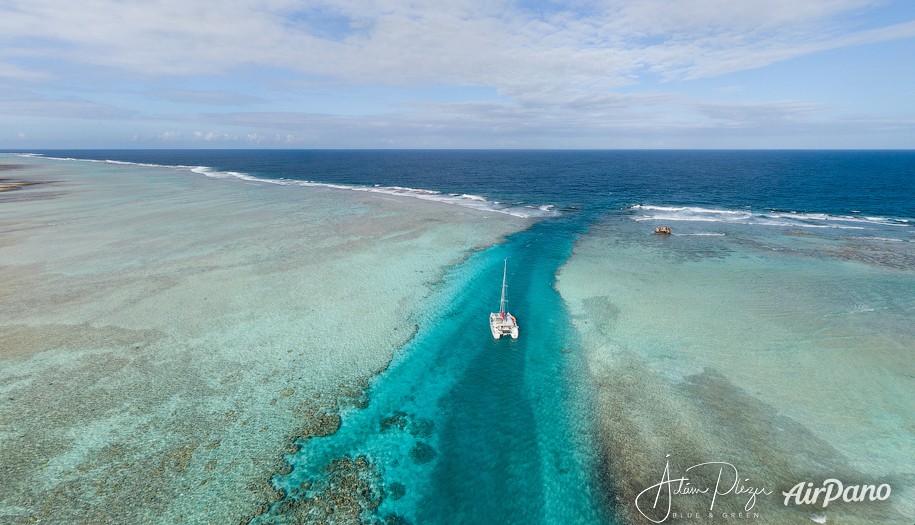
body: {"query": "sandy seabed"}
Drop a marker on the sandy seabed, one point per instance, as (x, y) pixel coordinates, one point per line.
(785, 353)
(165, 336)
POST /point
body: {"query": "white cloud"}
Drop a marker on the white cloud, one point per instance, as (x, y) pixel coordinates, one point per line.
(559, 69)
(207, 97)
(13, 72)
(469, 42)
(606, 120)
(214, 136)
(38, 106)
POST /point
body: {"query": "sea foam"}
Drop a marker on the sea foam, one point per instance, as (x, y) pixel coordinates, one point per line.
(465, 200)
(794, 219)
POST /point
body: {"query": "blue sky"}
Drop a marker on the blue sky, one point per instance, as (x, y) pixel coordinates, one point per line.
(457, 74)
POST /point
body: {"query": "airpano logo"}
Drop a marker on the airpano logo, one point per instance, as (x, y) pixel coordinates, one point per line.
(712, 482)
(834, 490)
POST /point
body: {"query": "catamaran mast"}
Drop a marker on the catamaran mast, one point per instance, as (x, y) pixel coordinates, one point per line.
(502, 301)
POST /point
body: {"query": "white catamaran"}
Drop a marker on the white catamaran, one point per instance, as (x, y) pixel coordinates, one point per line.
(502, 322)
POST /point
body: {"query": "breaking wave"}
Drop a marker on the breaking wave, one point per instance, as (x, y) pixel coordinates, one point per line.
(643, 212)
(477, 202)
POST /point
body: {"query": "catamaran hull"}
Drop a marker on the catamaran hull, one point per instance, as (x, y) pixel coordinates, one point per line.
(503, 323)
(499, 326)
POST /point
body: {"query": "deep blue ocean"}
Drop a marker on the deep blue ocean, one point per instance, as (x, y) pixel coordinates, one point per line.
(501, 432)
(877, 183)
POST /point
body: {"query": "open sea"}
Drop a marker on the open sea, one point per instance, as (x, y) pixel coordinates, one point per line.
(772, 330)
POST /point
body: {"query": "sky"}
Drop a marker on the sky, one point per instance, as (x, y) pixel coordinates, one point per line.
(595, 74)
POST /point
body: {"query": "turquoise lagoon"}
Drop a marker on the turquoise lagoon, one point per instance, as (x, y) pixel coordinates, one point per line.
(771, 332)
(166, 335)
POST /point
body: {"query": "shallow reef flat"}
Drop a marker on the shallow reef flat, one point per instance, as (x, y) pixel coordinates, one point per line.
(9, 184)
(787, 355)
(165, 336)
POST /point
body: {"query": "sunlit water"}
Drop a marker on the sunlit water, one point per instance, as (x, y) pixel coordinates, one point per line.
(483, 440)
(772, 330)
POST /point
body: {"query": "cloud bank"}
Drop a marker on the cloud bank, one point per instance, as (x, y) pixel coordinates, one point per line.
(553, 67)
